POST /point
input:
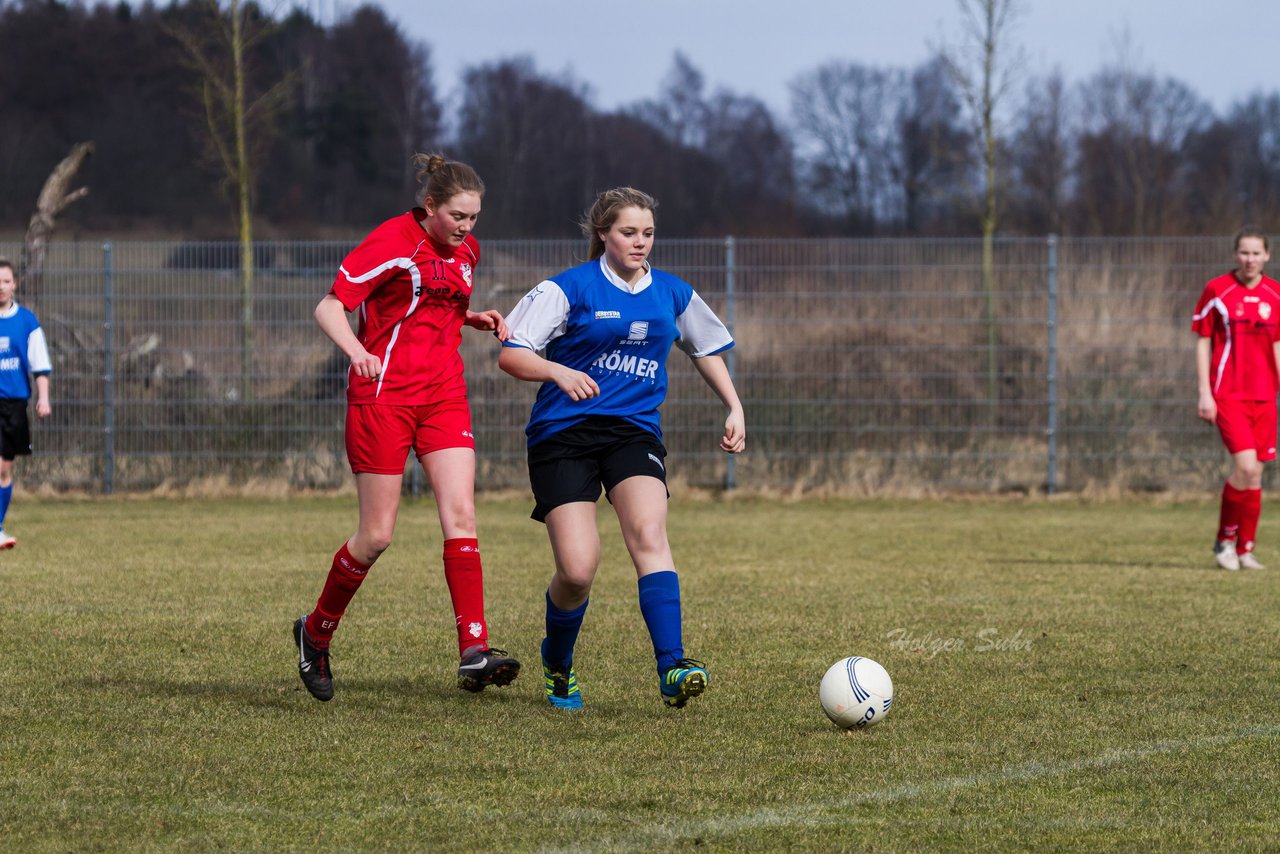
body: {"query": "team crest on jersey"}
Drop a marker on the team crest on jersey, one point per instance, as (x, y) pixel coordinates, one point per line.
(639, 331)
(1264, 310)
(4, 342)
(466, 273)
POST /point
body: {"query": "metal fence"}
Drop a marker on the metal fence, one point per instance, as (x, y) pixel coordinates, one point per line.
(865, 366)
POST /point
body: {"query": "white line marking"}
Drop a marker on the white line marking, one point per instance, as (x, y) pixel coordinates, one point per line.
(824, 814)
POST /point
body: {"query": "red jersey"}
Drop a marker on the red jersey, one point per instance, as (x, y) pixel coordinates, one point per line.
(1244, 324)
(413, 295)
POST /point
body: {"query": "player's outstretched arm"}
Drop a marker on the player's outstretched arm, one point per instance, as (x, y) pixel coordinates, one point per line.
(489, 321)
(43, 408)
(716, 374)
(331, 316)
(524, 364)
(1207, 407)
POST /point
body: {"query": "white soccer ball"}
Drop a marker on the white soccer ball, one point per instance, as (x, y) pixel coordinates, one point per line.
(856, 692)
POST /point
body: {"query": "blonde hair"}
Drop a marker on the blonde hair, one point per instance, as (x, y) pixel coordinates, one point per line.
(442, 179)
(603, 213)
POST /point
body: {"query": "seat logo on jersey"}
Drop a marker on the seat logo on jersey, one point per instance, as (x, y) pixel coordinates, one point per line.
(608, 315)
(639, 331)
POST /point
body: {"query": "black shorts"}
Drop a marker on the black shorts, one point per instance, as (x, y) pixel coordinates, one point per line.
(573, 464)
(15, 429)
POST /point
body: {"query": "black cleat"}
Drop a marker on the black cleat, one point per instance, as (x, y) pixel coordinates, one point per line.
(481, 667)
(313, 663)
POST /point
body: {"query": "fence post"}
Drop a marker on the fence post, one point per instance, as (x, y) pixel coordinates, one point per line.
(731, 462)
(108, 371)
(1051, 429)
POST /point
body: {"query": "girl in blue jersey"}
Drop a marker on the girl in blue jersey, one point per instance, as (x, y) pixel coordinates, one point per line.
(23, 353)
(605, 329)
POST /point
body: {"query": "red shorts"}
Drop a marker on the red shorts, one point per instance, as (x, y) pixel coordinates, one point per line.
(379, 436)
(1248, 425)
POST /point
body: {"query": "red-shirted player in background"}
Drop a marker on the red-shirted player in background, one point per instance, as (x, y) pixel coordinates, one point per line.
(411, 281)
(1238, 321)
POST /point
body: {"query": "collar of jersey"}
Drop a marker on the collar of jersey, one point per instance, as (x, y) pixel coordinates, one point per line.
(11, 310)
(645, 281)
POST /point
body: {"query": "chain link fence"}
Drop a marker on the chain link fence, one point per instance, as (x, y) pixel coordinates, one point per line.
(865, 366)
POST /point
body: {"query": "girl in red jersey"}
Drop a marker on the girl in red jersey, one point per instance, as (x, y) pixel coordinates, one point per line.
(411, 281)
(1238, 321)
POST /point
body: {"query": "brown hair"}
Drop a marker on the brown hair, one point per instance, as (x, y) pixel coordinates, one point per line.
(5, 262)
(443, 179)
(603, 213)
(1252, 231)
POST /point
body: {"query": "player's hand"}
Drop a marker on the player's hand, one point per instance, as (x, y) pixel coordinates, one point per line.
(366, 365)
(1208, 408)
(734, 440)
(489, 321)
(43, 409)
(576, 384)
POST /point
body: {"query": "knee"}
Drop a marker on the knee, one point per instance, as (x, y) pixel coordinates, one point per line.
(575, 584)
(458, 516)
(372, 543)
(1251, 473)
(649, 536)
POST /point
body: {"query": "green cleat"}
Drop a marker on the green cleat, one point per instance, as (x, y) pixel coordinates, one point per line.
(683, 682)
(562, 687)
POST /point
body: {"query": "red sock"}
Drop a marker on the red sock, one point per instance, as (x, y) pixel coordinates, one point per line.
(345, 577)
(1232, 513)
(1249, 520)
(463, 574)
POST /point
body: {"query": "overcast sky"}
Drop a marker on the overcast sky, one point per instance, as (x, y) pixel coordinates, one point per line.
(622, 48)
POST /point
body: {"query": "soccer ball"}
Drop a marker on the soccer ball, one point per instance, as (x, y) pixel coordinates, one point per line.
(856, 692)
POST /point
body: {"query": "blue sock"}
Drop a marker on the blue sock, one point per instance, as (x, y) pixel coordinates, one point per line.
(562, 633)
(660, 605)
(6, 492)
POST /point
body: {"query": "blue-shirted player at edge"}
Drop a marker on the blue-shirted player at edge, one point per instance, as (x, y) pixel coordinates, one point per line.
(23, 353)
(606, 328)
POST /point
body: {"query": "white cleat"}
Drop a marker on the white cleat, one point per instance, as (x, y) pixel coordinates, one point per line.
(1224, 551)
(6, 541)
(1248, 561)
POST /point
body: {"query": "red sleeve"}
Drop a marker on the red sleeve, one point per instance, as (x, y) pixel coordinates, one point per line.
(1202, 320)
(373, 262)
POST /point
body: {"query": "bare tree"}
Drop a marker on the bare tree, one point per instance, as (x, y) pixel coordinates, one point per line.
(1132, 149)
(844, 115)
(53, 200)
(218, 48)
(680, 111)
(983, 66)
(1040, 155)
(932, 164)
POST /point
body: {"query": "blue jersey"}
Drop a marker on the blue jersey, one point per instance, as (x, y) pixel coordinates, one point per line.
(22, 352)
(588, 319)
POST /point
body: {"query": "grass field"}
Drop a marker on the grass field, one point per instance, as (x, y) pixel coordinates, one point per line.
(1069, 675)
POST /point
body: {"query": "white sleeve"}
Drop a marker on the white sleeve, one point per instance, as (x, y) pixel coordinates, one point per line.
(539, 318)
(701, 332)
(38, 352)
